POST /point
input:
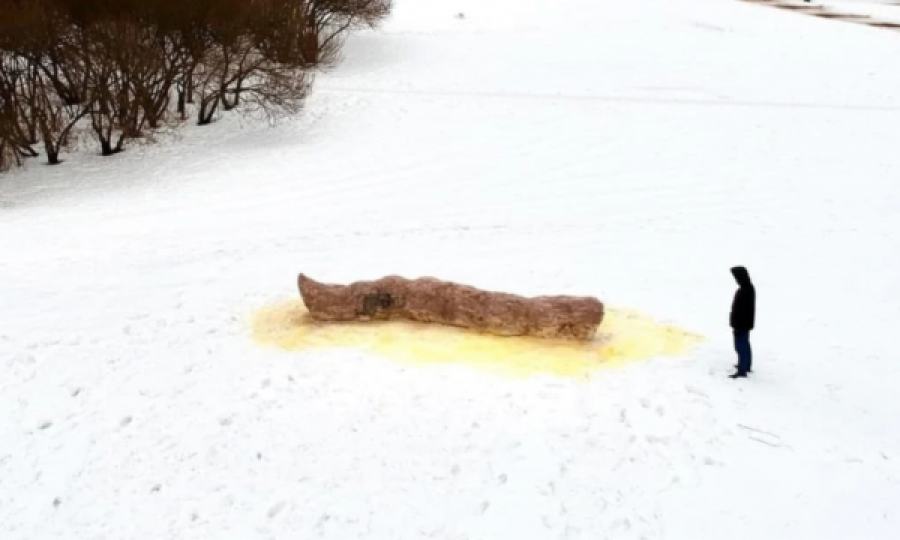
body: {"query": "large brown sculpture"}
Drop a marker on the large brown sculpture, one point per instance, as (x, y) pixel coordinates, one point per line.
(429, 300)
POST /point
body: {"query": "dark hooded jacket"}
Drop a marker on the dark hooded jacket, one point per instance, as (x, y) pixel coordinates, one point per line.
(743, 308)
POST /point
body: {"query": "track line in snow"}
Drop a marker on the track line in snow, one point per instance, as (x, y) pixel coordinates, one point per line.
(623, 99)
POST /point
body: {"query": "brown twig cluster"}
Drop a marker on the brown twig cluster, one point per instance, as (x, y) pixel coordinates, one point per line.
(121, 69)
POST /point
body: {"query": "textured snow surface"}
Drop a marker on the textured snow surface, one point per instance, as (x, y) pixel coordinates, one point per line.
(629, 150)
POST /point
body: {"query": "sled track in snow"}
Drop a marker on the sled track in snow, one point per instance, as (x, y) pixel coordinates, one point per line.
(828, 13)
(626, 99)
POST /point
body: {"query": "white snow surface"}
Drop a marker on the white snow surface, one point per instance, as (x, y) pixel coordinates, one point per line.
(629, 150)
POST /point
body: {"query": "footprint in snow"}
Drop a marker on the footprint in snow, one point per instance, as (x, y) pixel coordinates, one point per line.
(276, 509)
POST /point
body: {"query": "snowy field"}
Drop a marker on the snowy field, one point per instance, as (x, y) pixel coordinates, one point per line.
(629, 150)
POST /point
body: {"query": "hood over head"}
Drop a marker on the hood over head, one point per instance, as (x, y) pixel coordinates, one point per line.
(740, 275)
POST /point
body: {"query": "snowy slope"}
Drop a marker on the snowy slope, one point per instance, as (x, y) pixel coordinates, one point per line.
(629, 150)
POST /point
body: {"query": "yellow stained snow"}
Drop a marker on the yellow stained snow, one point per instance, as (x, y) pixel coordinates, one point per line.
(624, 336)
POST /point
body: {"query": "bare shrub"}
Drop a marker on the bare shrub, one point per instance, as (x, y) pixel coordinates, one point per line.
(43, 77)
(13, 143)
(7, 122)
(255, 57)
(330, 21)
(123, 69)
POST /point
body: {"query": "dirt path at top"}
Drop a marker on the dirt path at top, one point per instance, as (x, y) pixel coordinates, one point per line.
(829, 13)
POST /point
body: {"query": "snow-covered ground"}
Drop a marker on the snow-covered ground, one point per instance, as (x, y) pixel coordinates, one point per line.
(629, 150)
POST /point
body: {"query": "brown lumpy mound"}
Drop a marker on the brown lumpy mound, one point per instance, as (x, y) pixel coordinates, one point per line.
(430, 300)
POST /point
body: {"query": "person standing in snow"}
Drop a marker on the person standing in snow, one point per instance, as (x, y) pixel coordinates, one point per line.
(743, 317)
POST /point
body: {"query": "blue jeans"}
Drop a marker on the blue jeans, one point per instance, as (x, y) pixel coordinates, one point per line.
(742, 348)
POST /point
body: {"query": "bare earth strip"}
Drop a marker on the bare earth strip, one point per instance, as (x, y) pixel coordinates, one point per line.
(828, 13)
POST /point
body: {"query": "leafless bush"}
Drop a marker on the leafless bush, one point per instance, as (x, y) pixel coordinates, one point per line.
(40, 76)
(122, 69)
(330, 20)
(9, 122)
(8, 154)
(256, 56)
